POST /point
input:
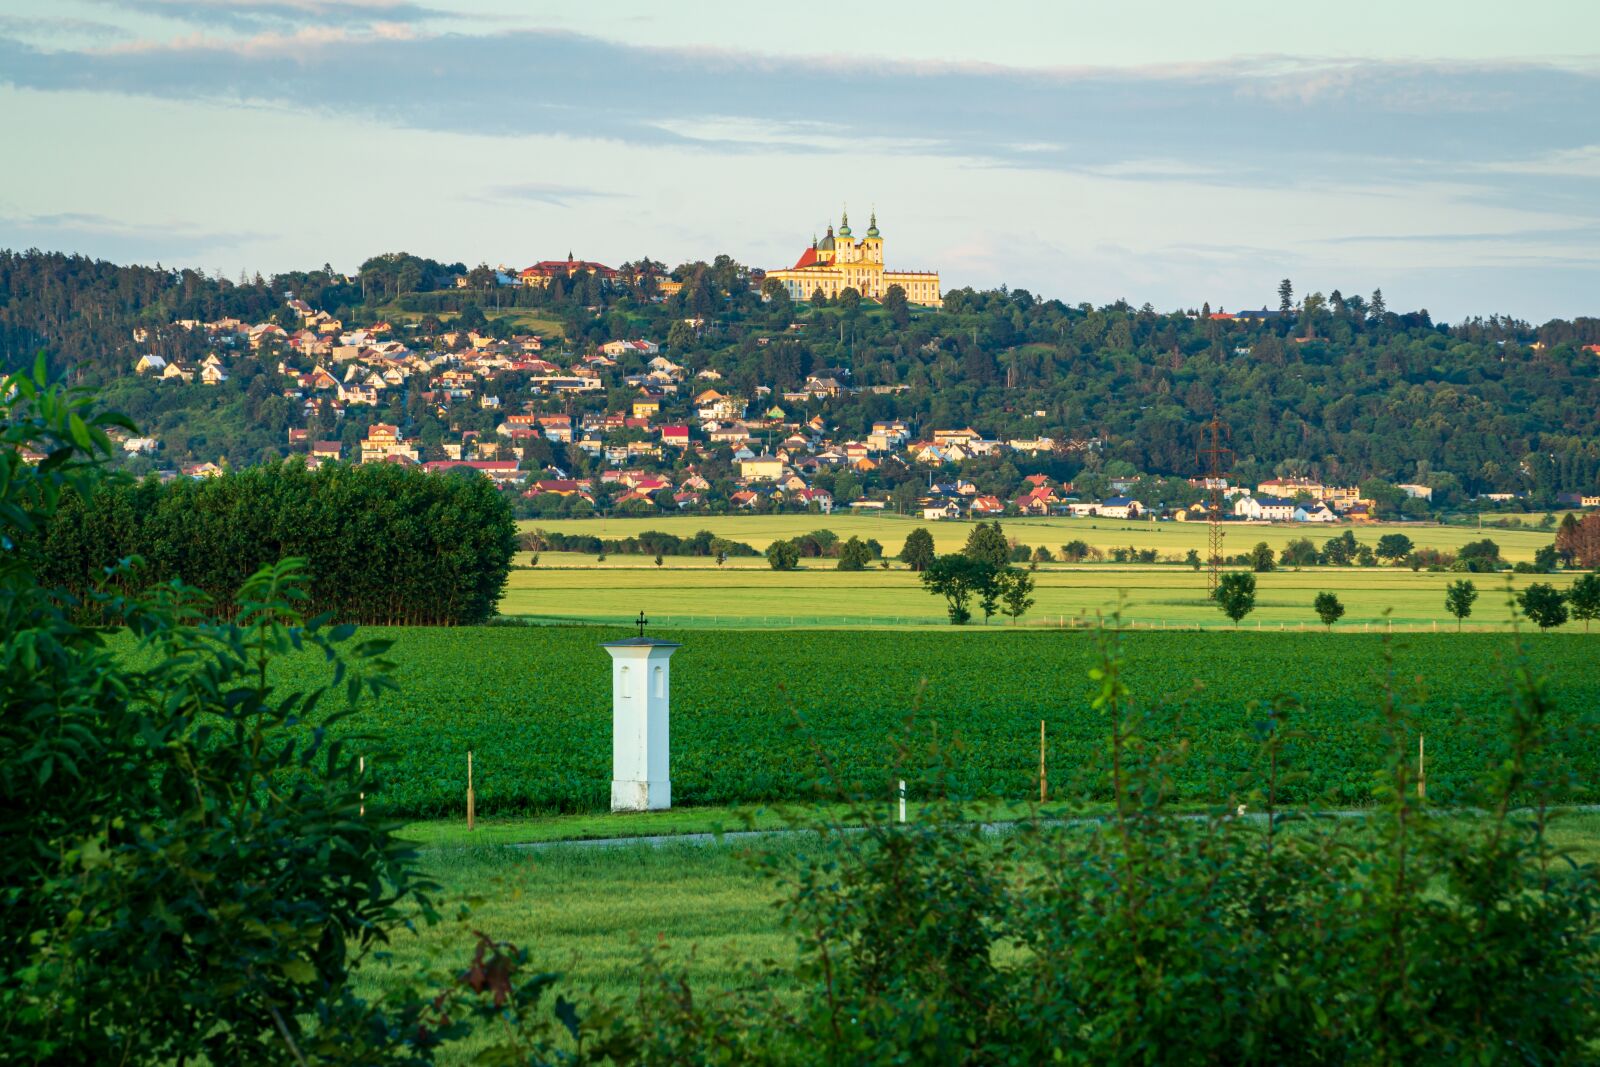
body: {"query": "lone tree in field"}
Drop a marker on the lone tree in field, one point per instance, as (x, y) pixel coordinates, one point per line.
(1236, 595)
(1394, 547)
(957, 577)
(1544, 604)
(854, 555)
(918, 550)
(1262, 558)
(988, 543)
(1458, 598)
(1016, 588)
(1329, 610)
(659, 559)
(1583, 597)
(783, 555)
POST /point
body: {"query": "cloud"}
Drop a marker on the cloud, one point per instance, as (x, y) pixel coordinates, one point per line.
(544, 193)
(120, 239)
(1268, 119)
(250, 16)
(53, 26)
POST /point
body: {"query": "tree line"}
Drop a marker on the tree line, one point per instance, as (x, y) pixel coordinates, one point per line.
(381, 544)
(649, 543)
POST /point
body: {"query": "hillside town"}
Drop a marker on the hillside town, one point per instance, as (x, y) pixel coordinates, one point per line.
(621, 426)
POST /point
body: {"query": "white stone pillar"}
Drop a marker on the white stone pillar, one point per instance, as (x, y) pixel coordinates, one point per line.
(640, 696)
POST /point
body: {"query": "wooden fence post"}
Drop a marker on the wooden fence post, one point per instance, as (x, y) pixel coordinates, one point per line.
(1042, 779)
(471, 800)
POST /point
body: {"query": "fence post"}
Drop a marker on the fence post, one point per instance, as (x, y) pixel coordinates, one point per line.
(362, 796)
(1422, 769)
(471, 800)
(902, 800)
(1042, 779)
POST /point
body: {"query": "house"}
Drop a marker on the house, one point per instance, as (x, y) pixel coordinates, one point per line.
(645, 407)
(1120, 507)
(1314, 511)
(1113, 507)
(328, 450)
(675, 436)
(149, 362)
(821, 498)
(761, 469)
(298, 436)
(985, 506)
(383, 442)
(956, 437)
(948, 510)
(501, 472)
(1416, 492)
(556, 428)
(202, 470)
(1289, 488)
(1264, 508)
(135, 446)
(559, 487)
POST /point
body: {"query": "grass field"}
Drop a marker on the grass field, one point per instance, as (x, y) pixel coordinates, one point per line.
(525, 320)
(755, 711)
(693, 591)
(590, 912)
(1169, 538)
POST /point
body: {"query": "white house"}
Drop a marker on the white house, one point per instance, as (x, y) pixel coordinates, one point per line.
(1264, 508)
(1317, 511)
(949, 510)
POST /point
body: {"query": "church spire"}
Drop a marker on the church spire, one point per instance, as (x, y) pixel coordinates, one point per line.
(844, 223)
(872, 225)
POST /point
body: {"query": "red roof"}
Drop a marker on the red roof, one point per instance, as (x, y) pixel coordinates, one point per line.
(485, 465)
(808, 258)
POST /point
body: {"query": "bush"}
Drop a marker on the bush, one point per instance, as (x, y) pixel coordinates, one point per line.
(783, 555)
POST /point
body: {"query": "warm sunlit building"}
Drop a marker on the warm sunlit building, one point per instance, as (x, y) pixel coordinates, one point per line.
(840, 261)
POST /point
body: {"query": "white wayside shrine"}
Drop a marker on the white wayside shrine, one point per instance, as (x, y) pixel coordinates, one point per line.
(640, 690)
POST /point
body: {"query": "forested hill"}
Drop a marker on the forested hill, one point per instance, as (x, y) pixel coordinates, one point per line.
(1338, 387)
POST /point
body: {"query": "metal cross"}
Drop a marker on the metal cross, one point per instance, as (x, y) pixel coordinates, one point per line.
(640, 622)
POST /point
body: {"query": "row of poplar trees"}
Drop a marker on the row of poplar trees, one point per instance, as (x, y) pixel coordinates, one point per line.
(384, 545)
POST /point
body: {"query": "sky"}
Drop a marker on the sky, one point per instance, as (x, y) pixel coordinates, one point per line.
(1089, 150)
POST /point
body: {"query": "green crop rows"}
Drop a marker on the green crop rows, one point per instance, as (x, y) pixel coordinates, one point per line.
(533, 703)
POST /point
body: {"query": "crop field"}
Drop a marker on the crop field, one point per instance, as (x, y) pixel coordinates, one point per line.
(1168, 538)
(754, 710)
(689, 591)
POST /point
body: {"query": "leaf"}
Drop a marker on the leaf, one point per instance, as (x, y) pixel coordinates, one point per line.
(299, 971)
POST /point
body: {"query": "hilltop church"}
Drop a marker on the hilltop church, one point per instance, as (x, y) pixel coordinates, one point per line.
(840, 261)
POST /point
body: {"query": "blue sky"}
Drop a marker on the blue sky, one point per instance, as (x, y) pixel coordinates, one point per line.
(1169, 152)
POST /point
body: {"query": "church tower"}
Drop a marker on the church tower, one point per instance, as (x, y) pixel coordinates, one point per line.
(872, 244)
(847, 251)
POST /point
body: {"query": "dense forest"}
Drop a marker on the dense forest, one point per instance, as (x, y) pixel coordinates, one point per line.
(1332, 386)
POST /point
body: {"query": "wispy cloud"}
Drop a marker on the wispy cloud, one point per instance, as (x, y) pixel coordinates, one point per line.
(250, 16)
(93, 234)
(544, 193)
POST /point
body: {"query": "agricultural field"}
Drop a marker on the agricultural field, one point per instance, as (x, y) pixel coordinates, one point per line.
(754, 710)
(1168, 538)
(690, 591)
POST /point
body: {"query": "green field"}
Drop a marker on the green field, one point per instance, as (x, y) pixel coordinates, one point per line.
(692, 591)
(591, 912)
(1169, 538)
(753, 710)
